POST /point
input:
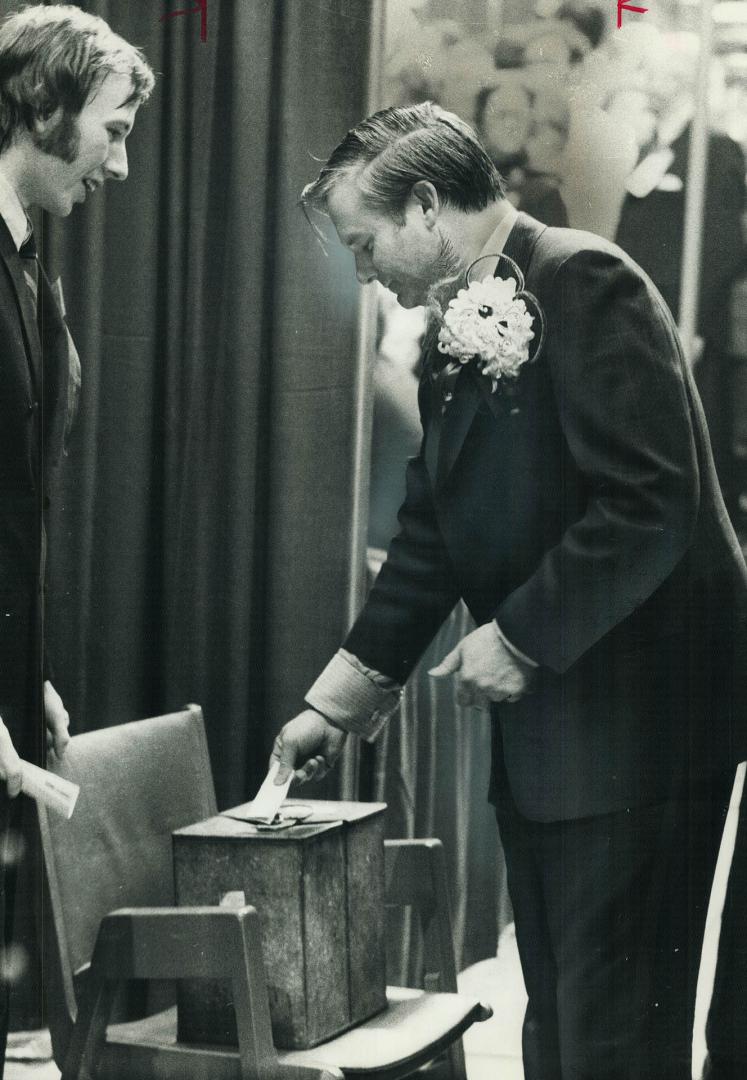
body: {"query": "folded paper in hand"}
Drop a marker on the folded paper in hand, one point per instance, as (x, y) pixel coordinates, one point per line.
(268, 800)
(49, 789)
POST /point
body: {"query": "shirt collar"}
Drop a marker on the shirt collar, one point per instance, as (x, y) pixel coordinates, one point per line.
(12, 212)
(497, 239)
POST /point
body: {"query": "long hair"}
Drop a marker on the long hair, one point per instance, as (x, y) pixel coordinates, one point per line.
(393, 149)
(52, 57)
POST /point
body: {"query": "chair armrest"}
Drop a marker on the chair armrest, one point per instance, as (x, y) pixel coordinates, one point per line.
(177, 943)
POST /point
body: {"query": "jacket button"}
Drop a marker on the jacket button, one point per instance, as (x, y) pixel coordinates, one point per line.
(33, 406)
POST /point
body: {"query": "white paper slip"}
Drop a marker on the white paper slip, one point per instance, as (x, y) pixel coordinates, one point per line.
(53, 791)
(268, 800)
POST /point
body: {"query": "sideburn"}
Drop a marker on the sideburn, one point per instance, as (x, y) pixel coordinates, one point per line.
(61, 141)
(448, 274)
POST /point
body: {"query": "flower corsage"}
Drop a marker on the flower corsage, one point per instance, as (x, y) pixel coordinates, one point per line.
(490, 321)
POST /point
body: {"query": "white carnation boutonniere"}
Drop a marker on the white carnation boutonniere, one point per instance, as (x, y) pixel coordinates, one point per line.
(490, 322)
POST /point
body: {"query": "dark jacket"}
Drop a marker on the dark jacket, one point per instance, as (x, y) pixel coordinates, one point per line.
(33, 396)
(585, 517)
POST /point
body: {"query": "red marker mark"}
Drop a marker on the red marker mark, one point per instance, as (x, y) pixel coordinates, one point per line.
(623, 5)
(201, 7)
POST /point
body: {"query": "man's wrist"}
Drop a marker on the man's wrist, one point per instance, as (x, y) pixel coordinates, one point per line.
(352, 697)
(328, 719)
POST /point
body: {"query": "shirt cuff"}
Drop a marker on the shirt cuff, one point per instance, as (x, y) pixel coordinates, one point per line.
(512, 648)
(354, 697)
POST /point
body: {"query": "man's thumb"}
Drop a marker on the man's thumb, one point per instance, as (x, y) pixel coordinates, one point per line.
(284, 771)
(284, 756)
(450, 663)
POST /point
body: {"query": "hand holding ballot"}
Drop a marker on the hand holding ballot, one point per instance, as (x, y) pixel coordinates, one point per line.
(311, 740)
(21, 776)
(50, 790)
(57, 721)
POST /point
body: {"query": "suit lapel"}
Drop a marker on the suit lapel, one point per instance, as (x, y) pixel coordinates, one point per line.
(446, 434)
(455, 423)
(25, 302)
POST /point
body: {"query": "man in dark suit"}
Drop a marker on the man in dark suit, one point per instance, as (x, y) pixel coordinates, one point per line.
(69, 91)
(577, 512)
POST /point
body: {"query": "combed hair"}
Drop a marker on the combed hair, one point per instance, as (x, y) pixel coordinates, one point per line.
(393, 149)
(57, 56)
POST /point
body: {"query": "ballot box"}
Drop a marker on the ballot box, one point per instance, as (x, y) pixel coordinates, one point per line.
(318, 886)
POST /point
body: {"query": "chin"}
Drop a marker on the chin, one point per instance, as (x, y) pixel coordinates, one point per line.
(59, 209)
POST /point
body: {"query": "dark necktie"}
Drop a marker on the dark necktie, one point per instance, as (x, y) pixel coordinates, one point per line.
(30, 265)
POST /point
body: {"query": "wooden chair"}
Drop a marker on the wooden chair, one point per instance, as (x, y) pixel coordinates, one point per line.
(416, 877)
(109, 871)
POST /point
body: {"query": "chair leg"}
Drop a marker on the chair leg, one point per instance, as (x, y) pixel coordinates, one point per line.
(457, 1061)
(89, 1033)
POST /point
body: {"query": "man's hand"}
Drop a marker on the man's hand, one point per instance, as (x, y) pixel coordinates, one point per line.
(310, 739)
(485, 670)
(58, 720)
(10, 763)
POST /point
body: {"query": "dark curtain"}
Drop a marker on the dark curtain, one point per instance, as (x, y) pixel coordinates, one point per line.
(198, 544)
(199, 537)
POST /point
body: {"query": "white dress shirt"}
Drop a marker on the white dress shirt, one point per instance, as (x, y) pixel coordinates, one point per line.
(12, 212)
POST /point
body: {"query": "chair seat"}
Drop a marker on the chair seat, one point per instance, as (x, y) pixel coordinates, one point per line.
(412, 1021)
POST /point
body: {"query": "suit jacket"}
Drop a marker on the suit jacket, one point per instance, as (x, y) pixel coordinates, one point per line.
(34, 371)
(585, 517)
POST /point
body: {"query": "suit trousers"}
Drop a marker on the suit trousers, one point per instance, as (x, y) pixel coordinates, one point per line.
(610, 913)
(24, 719)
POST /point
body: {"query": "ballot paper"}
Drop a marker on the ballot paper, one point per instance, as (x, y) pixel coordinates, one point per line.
(268, 800)
(52, 791)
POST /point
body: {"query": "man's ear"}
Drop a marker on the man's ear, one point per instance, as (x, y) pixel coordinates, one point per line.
(424, 197)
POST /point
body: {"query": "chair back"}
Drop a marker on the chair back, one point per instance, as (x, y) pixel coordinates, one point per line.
(416, 880)
(139, 782)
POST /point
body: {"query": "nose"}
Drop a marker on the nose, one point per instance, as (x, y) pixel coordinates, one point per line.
(364, 269)
(116, 166)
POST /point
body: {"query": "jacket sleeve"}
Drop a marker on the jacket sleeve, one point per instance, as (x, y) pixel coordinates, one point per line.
(620, 390)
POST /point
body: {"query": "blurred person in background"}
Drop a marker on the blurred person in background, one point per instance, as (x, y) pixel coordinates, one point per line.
(652, 217)
(525, 135)
(434, 58)
(395, 435)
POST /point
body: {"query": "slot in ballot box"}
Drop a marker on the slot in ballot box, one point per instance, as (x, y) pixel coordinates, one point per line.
(318, 886)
